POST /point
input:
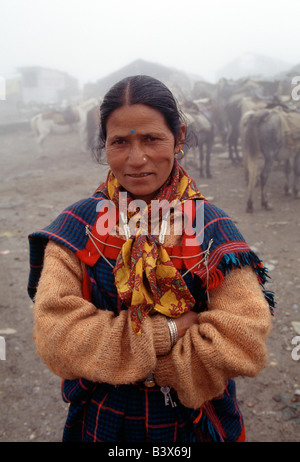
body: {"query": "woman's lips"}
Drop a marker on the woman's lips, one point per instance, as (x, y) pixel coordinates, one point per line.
(138, 175)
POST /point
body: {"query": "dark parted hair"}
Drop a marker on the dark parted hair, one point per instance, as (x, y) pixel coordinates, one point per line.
(139, 89)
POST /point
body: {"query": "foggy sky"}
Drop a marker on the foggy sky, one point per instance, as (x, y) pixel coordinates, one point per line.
(92, 38)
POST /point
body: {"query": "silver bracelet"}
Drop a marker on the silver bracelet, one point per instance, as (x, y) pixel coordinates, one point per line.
(173, 331)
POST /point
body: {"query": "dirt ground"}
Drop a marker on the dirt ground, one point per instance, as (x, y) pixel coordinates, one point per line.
(36, 187)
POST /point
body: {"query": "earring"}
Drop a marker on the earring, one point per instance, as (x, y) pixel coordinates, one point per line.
(182, 155)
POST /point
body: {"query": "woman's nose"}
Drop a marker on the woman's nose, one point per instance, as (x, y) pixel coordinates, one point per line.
(136, 155)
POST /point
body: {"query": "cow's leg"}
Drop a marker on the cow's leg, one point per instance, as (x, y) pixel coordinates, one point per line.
(236, 150)
(201, 160)
(208, 152)
(251, 164)
(287, 171)
(230, 148)
(269, 161)
(82, 132)
(41, 138)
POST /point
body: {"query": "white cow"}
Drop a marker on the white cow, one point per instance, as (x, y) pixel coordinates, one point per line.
(56, 122)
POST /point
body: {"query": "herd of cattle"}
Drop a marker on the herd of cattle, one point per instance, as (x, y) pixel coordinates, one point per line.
(259, 125)
(252, 121)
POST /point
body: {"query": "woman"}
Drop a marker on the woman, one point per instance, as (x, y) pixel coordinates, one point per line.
(147, 327)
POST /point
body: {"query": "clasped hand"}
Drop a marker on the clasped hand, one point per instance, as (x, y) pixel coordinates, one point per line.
(185, 321)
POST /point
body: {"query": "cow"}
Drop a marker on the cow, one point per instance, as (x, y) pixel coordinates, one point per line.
(54, 121)
(230, 95)
(200, 132)
(273, 134)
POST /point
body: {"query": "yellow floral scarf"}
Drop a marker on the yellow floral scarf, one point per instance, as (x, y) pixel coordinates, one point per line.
(145, 276)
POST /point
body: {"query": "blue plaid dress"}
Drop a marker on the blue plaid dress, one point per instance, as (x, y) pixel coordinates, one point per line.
(100, 412)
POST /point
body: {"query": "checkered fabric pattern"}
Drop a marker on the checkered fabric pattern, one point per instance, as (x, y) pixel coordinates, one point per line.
(67, 229)
(135, 413)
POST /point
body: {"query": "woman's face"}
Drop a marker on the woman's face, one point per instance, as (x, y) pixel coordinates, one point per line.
(140, 149)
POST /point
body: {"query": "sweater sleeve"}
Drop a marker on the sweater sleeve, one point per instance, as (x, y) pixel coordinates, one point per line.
(229, 340)
(77, 340)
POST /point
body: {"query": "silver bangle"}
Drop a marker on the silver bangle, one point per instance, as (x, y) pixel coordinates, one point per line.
(173, 331)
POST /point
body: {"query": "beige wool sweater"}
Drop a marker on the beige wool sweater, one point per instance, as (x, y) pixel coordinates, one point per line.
(77, 340)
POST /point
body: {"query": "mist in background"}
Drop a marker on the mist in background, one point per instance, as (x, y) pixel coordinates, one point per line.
(89, 39)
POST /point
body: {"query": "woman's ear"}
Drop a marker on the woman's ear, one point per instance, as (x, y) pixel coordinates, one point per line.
(180, 140)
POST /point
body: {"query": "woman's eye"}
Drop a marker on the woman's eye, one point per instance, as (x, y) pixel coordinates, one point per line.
(119, 141)
(150, 138)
